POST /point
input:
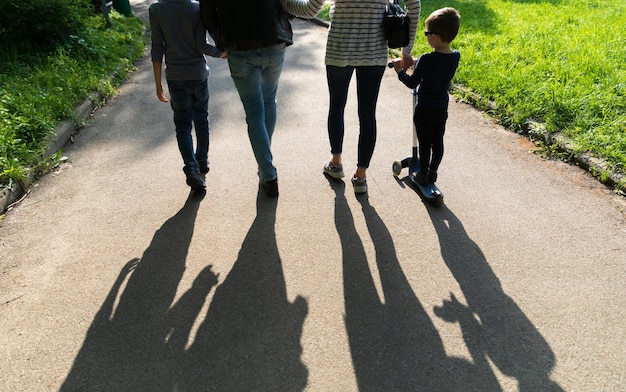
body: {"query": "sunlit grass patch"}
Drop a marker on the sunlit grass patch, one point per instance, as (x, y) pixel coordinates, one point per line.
(36, 92)
(557, 62)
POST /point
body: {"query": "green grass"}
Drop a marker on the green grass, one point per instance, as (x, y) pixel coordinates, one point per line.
(37, 90)
(560, 63)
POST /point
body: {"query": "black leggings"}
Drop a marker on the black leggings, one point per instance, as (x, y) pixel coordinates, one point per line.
(367, 86)
(430, 125)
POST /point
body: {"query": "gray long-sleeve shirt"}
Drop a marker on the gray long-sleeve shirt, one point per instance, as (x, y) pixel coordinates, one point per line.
(178, 34)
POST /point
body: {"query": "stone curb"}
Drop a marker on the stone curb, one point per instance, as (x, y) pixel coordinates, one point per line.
(63, 133)
(563, 144)
(594, 165)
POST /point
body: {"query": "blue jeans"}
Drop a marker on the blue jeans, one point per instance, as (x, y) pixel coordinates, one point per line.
(367, 87)
(256, 73)
(190, 102)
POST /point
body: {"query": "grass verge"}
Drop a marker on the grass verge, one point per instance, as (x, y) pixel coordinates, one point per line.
(38, 90)
(556, 63)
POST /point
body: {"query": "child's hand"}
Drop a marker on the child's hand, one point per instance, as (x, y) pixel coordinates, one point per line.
(397, 65)
(160, 93)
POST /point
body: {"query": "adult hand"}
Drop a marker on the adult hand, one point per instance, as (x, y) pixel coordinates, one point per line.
(407, 62)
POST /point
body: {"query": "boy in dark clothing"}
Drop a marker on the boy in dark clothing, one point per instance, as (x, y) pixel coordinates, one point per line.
(179, 35)
(433, 73)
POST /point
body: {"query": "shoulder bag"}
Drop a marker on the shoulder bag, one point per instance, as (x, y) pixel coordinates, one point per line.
(396, 24)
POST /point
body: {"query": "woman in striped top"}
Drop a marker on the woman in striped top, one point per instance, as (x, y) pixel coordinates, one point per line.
(356, 42)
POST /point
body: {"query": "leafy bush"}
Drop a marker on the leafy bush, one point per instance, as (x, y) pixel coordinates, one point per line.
(40, 89)
(36, 24)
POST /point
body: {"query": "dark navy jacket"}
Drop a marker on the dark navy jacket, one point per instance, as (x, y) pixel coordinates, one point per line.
(432, 73)
(246, 24)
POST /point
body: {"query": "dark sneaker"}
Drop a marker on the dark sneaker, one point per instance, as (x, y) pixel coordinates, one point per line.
(432, 176)
(270, 187)
(359, 184)
(421, 177)
(335, 171)
(194, 179)
(203, 166)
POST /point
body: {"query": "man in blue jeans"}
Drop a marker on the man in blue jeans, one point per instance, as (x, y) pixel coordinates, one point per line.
(256, 74)
(179, 35)
(255, 34)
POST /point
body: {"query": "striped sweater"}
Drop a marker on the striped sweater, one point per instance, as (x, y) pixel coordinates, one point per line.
(357, 37)
(303, 8)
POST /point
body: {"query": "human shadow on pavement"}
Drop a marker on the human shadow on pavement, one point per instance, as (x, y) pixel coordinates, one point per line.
(139, 344)
(393, 342)
(492, 324)
(250, 338)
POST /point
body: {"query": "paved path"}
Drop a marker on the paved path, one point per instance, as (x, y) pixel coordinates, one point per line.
(115, 278)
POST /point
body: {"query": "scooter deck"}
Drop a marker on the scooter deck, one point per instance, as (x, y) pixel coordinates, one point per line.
(429, 192)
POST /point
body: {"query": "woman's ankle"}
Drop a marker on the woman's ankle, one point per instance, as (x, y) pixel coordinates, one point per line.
(336, 160)
(360, 172)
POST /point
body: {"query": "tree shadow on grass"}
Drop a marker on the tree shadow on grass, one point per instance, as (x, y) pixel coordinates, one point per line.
(139, 344)
(393, 342)
(555, 2)
(476, 16)
(493, 325)
(250, 338)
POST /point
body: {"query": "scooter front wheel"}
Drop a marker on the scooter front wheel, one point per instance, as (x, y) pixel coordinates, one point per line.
(396, 167)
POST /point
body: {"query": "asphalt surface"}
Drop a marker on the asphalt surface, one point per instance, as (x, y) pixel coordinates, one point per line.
(116, 278)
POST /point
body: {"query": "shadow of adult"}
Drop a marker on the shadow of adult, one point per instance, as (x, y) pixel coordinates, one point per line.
(492, 322)
(138, 345)
(393, 342)
(250, 339)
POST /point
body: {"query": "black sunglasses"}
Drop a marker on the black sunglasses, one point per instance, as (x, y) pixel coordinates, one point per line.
(427, 33)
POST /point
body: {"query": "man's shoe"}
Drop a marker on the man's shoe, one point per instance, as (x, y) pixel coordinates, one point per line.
(203, 166)
(194, 179)
(270, 187)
